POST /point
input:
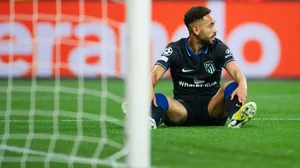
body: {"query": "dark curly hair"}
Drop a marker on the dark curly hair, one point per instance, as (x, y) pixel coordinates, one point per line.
(195, 13)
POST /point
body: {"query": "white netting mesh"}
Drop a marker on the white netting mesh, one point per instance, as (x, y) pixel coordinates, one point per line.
(58, 122)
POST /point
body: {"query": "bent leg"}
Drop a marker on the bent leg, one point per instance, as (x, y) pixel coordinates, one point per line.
(175, 111)
(216, 106)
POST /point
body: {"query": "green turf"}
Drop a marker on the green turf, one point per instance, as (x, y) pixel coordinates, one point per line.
(271, 139)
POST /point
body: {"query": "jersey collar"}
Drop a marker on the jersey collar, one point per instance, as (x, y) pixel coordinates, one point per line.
(190, 52)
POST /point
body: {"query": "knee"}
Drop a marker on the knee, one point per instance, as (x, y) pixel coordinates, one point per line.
(176, 118)
(228, 87)
(225, 84)
(177, 113)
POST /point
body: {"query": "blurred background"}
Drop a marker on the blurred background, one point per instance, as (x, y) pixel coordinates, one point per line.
(262, 34)
(63, 65)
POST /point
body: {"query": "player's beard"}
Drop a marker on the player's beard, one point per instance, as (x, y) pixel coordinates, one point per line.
(207, 41)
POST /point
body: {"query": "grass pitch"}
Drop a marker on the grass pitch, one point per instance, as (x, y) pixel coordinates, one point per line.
(45, 128)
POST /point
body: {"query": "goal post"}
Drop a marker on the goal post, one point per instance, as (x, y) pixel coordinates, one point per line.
(138, 82)
(74, 117)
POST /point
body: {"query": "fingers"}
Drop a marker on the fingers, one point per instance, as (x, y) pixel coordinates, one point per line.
(154, 101)
(244, 100)
(232, 95)
(241, 99)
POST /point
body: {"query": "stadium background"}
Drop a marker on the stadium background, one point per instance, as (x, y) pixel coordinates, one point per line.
(47, 49)
(264, 42)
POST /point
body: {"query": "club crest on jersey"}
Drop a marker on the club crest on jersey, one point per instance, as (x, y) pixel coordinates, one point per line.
(209, 67)
(168, 51)
(228, 51)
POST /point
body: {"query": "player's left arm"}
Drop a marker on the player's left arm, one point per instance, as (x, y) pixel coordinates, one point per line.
(237, 75)
(228, 62)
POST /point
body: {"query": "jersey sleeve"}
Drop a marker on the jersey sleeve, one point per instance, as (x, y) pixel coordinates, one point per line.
(166, 57)
(224, 55)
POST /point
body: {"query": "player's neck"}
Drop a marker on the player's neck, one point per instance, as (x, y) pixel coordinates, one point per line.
(195, 45)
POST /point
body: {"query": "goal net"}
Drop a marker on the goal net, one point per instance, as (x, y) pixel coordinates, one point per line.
(62, 65)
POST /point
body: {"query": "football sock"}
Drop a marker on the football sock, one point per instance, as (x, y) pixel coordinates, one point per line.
(231, 106)
(159, 113)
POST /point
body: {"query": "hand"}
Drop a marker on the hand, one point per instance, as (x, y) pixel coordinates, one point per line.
(152, 97)
(241, 93)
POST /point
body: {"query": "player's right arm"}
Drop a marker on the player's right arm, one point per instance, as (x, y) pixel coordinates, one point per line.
(156, 74)
(161, 67)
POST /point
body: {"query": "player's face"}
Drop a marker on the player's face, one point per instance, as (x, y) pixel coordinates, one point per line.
(206, 30)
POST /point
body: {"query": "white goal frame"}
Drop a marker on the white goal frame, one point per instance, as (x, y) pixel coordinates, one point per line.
(138, 82)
